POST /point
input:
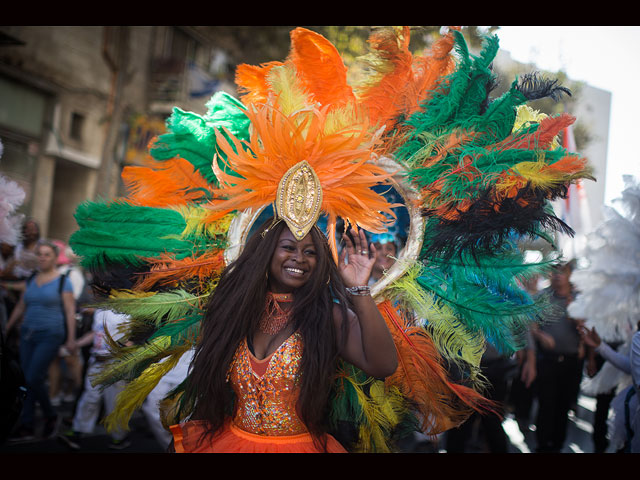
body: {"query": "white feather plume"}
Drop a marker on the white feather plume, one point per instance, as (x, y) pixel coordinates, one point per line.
(11, 197)
(609, 285)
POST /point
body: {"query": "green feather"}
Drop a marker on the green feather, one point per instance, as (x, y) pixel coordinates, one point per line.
(479, 76)
(123, 233)
(156, 308)
(450, 335)
(503, 317)
(192, 136)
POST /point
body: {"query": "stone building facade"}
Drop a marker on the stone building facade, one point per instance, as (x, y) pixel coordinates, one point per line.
(77, 103)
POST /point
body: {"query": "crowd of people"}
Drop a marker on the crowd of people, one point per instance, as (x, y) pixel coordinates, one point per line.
(52, 329)
(50, 322)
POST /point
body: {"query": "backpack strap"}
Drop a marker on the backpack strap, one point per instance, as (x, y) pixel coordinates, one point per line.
(61, 284)
(31, 277)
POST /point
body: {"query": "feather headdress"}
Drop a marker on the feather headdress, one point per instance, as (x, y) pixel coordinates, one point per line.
(311, 150)
(478, 174)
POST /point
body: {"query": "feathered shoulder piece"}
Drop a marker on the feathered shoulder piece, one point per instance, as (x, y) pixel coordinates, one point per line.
(473, 174)
(608, 283)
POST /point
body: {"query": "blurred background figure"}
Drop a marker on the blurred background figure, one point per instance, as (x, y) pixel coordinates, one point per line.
(522, 388)
(626, 407)
(486, 429)
(594, 362)
(25, 261)
(12, 382)
(151, 408)
(89, 407)
(19, 263)
(48, 307)
(387, 249)
(6, 302)
(65, 372)
(560, 362)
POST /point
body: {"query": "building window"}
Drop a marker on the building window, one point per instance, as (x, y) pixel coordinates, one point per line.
(77, 124)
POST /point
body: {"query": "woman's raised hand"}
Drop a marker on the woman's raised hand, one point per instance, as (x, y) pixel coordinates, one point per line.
(361, 258)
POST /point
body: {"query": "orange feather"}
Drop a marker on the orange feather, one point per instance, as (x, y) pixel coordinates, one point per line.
(171, 182)
(548, 128)
(278, 142)
(320, 68)
(404, 81)
(166, 270)
(252, 82)
(422, 377)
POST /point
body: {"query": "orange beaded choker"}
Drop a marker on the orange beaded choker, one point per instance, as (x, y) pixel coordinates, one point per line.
(275, 318)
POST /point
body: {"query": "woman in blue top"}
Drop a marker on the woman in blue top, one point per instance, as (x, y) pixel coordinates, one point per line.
(48, 312)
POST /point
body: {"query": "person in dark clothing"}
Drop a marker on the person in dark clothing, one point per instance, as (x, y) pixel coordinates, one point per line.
(603, 402)
(495, 367)
(560, 362)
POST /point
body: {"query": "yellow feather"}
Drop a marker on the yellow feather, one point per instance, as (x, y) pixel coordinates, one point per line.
(134, 394)
(196, 226)
(382, 410)
(537, 174)
(525, 116)
(124, 293)
(452, 339)
(131, 356)
(291, 98)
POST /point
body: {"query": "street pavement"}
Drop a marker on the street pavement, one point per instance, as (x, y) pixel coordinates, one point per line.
(141, 438)
(143, 441)
(579, 434)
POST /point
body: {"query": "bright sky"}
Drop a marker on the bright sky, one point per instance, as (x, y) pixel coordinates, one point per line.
(604, 57)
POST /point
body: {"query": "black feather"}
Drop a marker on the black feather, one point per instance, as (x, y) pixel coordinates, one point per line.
(534, 87)
(487, 224)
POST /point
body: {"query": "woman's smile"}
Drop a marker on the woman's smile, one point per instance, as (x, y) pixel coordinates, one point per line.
(294, 271)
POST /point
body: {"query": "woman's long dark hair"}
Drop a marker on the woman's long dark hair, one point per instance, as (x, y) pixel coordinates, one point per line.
(233, 312)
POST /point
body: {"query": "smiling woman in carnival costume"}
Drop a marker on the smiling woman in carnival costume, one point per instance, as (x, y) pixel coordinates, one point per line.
(293, 350)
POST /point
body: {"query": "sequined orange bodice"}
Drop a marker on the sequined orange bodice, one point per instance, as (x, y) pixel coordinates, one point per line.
(266, 405)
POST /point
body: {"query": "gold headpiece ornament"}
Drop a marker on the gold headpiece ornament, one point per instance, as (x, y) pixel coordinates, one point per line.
(299, 199)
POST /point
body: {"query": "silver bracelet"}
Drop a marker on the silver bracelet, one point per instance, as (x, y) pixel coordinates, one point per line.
(362, 290)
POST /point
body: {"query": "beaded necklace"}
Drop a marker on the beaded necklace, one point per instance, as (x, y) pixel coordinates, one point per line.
(275, 318)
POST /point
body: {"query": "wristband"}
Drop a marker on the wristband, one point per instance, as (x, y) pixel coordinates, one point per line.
(362, 290)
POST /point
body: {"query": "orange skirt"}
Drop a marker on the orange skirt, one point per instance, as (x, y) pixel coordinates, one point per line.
(188, 438)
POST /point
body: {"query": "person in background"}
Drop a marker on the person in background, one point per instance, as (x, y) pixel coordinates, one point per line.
(560, 362)
(19, 264)
(6, 302)
(496, 368)
(522, 389)
(48, 307)
(625, 405)
(151, 406)
(90, 403)
(387, 248)
(65, 372)
(25, 261)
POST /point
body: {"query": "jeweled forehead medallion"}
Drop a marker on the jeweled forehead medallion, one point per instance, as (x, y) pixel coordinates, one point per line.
(299, 199)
